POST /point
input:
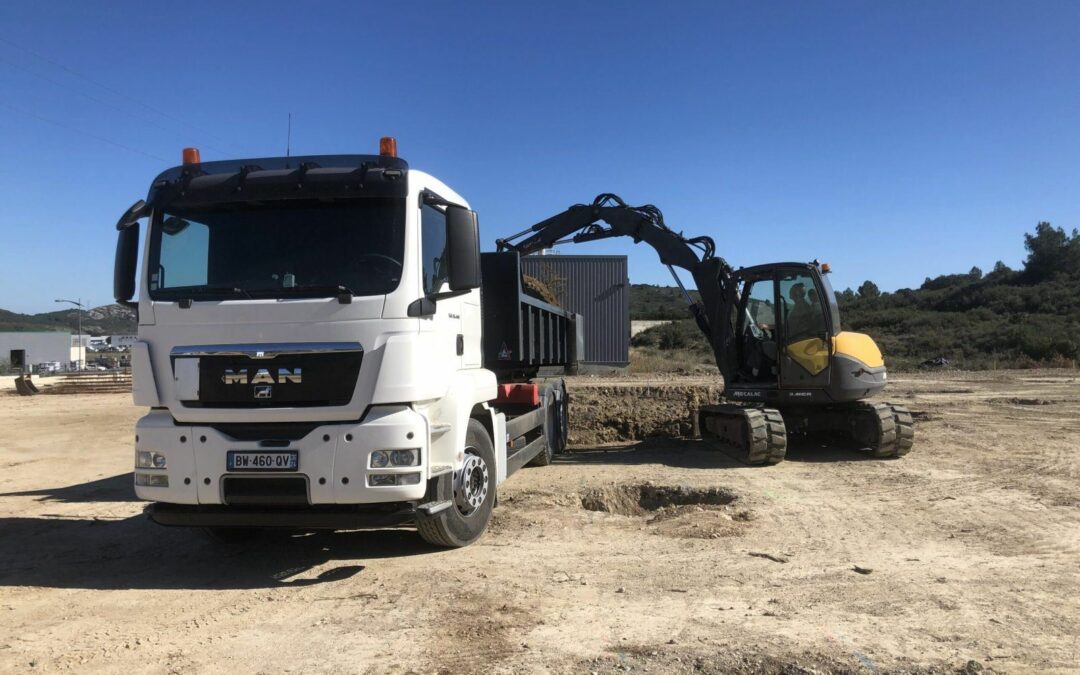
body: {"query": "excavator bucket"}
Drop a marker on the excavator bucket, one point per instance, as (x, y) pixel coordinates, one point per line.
(25, 386)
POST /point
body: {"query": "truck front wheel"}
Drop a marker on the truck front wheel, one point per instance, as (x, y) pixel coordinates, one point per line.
(471, 491)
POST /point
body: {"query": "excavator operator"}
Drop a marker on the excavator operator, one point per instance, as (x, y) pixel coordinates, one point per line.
(801, 316)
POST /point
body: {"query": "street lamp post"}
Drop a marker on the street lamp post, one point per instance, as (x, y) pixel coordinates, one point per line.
(78, 304)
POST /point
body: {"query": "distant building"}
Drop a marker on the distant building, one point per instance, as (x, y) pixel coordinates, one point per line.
(41, 347)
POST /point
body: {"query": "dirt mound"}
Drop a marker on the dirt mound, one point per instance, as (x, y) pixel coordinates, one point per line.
(683, 512)
(604, 414)
(1022, 401)
(636, 500)
(538, 289)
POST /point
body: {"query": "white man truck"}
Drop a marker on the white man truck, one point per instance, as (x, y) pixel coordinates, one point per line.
(321, 345)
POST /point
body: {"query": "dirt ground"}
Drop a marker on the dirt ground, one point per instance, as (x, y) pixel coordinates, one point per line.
(654, 556)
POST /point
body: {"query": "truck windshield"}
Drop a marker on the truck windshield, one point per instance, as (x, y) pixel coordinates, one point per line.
(289, 248)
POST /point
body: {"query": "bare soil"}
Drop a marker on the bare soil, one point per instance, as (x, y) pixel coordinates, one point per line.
(646, 556)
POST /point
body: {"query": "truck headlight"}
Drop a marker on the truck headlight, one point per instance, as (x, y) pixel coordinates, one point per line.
(151, 480)
(389, 479)
(379, 459)
(150, 459)
(404, 458)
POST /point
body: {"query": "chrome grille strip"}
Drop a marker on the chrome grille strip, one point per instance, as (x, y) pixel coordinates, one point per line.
(268, 350)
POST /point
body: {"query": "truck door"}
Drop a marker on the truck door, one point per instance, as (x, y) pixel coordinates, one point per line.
(447, 321)
(804, 331)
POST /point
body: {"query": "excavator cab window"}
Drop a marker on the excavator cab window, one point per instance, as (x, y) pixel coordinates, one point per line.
(805, 328)
(803, 311)
(783, 328)
(758, 331)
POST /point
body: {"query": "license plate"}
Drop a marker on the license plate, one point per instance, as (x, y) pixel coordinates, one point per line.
(242, 460)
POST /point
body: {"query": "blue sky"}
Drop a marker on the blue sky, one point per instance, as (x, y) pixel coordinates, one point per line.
(894, 140)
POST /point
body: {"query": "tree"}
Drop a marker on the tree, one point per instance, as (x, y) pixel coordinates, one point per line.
(869, 290)
(1051, 251)
(846, 296)
(975, 273)
(1001, 268)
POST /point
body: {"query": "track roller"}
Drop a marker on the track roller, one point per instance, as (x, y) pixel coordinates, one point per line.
(751, 435)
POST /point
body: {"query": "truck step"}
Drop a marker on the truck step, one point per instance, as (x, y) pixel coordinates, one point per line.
(434, 508)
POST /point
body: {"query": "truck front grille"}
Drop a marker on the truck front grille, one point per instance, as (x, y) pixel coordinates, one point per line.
(288, 380)
(265, 490)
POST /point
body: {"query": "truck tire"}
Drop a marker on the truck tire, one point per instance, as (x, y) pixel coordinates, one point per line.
(471, 491)
(555, 425)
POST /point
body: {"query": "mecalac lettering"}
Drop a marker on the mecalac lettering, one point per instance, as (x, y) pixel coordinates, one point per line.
(263, 376)
(746, 394)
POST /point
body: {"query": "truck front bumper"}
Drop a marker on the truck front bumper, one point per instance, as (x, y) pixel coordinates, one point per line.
(334, 463)
(336, 517)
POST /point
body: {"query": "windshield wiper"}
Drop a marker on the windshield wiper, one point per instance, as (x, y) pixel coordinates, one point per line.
(235, 290)
(343, 294)
(199, 291)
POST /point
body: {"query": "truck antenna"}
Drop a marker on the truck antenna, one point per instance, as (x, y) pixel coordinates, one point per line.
(288, 136)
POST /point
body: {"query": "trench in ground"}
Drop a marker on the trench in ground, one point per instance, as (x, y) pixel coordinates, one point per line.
(645, 498)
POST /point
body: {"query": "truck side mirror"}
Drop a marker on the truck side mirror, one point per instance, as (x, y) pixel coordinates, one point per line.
(127, 252)
(127, 258)
(463, 247)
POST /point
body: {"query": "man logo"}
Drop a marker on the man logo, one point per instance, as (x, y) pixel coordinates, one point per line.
(263, 376)
(263, 391)
(233, 377)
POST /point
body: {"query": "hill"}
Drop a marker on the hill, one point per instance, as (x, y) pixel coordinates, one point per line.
(648, 302)
(105, 320)
(1007, 318)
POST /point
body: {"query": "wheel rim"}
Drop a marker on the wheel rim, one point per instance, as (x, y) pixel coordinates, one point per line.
(471, 483)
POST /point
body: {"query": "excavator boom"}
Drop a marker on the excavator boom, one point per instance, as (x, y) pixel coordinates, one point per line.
(697, 255)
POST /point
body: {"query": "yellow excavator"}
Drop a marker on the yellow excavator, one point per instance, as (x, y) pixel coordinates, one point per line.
(775, 332)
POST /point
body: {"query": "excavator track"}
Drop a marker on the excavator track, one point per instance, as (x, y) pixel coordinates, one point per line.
(905, 430)
(882, 430)
(751, 435)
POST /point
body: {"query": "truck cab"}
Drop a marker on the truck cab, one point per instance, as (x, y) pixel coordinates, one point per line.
(309, 348)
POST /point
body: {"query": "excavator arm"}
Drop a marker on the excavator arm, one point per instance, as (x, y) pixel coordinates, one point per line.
(609, 216)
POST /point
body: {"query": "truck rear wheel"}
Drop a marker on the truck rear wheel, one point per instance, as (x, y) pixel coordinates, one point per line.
(471, 491)
(555, 425)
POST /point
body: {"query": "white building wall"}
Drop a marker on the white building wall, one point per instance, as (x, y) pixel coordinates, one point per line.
(40, 347)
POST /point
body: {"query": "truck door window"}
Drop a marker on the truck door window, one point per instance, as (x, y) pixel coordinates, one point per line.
(433, 247)
(185, 246)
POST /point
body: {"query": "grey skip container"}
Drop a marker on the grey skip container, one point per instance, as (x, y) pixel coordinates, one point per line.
(598, 288)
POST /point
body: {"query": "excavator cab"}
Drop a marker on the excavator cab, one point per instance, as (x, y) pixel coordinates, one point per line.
(786, 320)
(789, 345)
